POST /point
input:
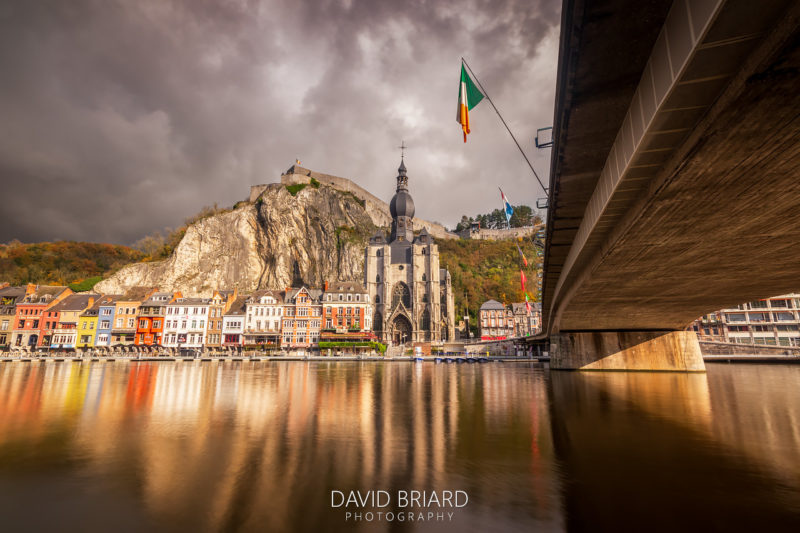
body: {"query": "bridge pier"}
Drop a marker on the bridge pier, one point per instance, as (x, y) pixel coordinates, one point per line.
(670, 351)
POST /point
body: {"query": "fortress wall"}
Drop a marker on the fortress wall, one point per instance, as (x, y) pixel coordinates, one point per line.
(498, 234)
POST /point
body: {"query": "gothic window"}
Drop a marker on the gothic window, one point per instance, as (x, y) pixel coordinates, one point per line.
(425, 298)
(425, 323)
(378, 278)
(400, 293)
(377, 298)
(424, 251)
(377, 321)
(378, 253)
(424, 277)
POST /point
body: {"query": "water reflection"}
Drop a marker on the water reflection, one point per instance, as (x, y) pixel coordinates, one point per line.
(667, 452)
(259, 446)
(228, 446)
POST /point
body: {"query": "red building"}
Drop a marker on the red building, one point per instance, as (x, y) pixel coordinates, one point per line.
(346, 313)
(34, 322)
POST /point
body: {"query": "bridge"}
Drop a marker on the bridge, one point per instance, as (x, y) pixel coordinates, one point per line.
(675, 175)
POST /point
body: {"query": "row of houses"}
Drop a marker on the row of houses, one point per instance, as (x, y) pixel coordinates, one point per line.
(499, 322)
(771, 321)
(37, 317)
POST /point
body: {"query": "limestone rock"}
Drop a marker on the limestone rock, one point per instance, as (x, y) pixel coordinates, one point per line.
(275, 242)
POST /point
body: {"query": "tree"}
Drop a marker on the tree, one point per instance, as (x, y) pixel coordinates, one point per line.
(523, 216)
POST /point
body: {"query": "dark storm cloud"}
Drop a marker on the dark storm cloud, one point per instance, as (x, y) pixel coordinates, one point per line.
(119, 118)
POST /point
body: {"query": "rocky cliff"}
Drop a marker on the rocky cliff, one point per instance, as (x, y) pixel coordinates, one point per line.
(377, 209)
(273, 242)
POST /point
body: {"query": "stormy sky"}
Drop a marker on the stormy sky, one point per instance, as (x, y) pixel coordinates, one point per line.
(119, 118)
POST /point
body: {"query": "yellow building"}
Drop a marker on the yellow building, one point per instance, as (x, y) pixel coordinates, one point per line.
(87, 323)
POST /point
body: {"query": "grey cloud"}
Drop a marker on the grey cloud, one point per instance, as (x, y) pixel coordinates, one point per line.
(120, 118)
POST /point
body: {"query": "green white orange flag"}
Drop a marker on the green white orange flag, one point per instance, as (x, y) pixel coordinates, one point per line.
(468, 97)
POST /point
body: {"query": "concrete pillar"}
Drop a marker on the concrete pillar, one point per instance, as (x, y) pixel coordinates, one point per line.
(671, 351)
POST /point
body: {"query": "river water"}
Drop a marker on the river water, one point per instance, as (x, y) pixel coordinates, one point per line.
(279, 446)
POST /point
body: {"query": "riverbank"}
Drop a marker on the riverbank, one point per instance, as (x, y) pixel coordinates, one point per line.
(255, 358)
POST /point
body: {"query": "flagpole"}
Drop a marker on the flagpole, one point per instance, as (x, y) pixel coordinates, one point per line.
(504, 124)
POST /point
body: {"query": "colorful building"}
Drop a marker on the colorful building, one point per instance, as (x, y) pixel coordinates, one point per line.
(106, 307)
(150, 322)
(126, 311)
(69, 310)
(89, 320)
(346, 313)
(34, 320)
(9, 297)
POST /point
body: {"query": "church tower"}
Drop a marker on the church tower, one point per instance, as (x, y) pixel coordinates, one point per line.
(412, 297)
(402, 209)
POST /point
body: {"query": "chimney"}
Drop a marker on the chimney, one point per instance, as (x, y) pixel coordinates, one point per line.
(326, 285)
(30, 289)
(91, 301)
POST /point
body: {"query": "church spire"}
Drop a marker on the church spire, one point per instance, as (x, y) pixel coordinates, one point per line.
(402, 208)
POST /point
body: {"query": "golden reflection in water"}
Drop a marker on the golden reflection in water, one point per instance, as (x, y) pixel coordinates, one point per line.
(210, 446)
(663, 451)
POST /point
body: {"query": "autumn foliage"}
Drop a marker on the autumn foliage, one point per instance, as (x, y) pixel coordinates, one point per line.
(482, 269)
(61, 262)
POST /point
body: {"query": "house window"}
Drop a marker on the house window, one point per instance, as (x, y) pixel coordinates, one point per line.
(143, 324)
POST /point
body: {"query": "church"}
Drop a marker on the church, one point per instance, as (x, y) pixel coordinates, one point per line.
(412, 297)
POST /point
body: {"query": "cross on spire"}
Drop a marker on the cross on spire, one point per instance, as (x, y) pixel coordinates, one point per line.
(402, 149)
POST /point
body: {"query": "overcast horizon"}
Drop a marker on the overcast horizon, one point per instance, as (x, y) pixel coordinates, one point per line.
(121, 119)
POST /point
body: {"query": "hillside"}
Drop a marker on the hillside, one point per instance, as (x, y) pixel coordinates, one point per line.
(481, 270)
(62, 262)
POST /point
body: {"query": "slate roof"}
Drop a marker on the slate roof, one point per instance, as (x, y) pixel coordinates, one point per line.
(75, 302)
(492, 304)
(352, 287)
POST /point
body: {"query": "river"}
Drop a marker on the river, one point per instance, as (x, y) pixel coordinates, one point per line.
(279, 446)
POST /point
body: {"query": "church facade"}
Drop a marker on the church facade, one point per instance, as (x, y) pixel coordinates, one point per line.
(412, 297)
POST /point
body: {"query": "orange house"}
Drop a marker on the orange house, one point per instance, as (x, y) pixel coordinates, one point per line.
(150, 322)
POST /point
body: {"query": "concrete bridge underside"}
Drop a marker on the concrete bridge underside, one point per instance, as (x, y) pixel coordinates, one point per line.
(675, 188)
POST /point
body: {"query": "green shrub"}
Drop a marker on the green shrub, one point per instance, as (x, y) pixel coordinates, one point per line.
(296, 188)
(86, 284)
(314, 183)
